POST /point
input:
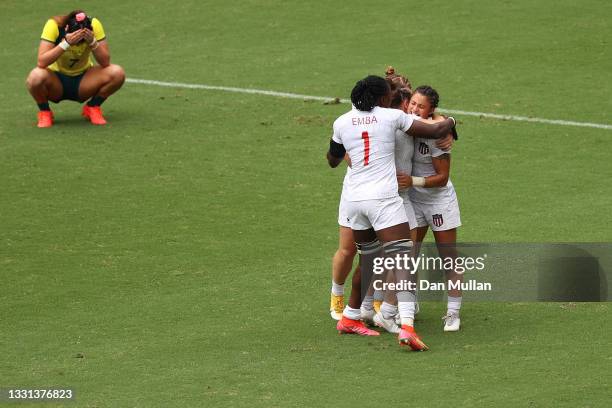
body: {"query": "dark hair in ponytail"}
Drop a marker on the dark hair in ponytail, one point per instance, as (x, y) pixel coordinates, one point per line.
(430, 93)
(367, 92)
(63, 20)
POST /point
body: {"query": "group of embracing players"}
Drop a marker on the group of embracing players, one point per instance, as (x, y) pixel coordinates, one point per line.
(397, 186)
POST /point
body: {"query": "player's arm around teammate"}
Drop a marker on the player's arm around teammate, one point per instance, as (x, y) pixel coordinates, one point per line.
(419, 129)
(375, 211)
(379, 307)
(65, 69)
(385, 315)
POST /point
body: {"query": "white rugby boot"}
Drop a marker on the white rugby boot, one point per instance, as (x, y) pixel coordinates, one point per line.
(367, 316)
(452, 322)
(387, 324)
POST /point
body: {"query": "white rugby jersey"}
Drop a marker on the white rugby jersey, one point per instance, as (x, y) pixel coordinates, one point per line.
(422, 166)
(369, 140)
(345, 182)
(346, 176)
(404, 150)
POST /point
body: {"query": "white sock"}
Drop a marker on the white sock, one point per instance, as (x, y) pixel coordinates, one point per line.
(367, 302)
(406, 304)
(406, 311)
(454, 304)
(350, 313)
(388, 310)
(337, 290)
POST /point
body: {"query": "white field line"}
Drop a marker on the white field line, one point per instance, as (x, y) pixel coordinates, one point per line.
(327, 98)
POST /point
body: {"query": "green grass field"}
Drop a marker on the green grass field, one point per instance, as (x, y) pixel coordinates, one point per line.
(181, 255)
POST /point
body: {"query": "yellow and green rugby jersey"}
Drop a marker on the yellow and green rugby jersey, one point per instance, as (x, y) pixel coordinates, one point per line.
(77, 58)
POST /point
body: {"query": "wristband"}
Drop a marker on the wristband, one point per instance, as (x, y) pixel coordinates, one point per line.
(455, 134)
(454, 129)
(94, 44)
(64, 45)
(418, 181)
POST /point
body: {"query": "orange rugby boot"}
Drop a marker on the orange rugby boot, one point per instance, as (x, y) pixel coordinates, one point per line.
(408, 337)
(45, 119)
(94, 114)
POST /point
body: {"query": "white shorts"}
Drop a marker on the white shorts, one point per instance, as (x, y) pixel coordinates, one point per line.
(343, 219)
(439, 217)
(409, 208)
(378, 214)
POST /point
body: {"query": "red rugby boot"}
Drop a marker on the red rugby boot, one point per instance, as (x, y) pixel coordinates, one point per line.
(349, 326)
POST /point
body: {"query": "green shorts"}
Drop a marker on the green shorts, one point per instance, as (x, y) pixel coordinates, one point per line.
(70, 85)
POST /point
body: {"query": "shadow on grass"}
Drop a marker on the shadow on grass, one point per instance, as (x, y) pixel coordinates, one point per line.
(75, 120)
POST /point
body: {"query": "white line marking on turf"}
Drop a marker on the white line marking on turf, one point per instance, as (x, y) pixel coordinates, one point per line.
(325, 98)
(528, 119)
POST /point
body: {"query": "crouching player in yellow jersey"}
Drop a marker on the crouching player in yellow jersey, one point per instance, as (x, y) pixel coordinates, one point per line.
(66, 70)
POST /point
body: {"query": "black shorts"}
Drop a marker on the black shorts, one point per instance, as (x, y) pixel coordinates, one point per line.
(70, 86)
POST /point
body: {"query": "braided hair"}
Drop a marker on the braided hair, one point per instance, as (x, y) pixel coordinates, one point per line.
(430, 93)
(367, 92)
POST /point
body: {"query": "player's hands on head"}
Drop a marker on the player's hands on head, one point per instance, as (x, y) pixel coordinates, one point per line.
(75, 37)
(404, 181)
(88, 35)
(446, 142)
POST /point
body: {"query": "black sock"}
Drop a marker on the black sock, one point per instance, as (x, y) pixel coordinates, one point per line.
(96, 101)
(44, 106)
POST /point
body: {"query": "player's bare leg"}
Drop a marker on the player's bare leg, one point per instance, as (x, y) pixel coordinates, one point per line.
(387, 317)
(369, 248)
(370, 304)
(372, 299)
(97, 84)
(351, 316)
(44, 86)
(419, 234)
(447, 248)
(396, 242)
(342, 263)
(350, 322)
(375, 299)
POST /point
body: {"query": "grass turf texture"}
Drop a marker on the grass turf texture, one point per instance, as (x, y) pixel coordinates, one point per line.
(180, 256)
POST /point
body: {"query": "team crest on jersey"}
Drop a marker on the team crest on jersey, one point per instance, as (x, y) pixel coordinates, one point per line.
(437, 220)
(423, 148)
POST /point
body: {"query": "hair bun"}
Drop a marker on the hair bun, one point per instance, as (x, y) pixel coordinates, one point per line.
(390, 71)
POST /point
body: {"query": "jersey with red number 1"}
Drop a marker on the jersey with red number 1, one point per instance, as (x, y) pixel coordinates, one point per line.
(369, 140)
